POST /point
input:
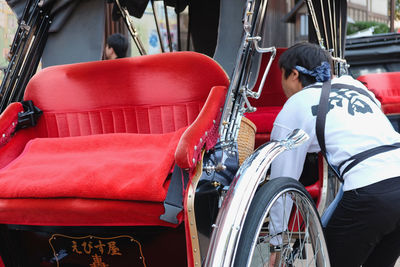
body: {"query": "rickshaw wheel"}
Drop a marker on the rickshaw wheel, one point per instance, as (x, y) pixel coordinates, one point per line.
(297, 248)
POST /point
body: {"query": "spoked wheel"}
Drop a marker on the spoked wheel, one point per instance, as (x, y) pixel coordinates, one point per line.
(292, 234)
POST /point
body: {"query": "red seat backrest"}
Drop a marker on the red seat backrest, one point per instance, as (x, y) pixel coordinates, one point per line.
(272, 94)
(149, 94)
(271, 100)
(386, 87)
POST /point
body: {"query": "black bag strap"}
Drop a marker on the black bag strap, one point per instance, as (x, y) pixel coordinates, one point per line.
(173, 203)
(357, 158)
(321, 115)
(323, 107)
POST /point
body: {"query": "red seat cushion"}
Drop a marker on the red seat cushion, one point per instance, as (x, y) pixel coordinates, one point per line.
(81, 212)
(386, 87)
(264, 119)
(109, 166)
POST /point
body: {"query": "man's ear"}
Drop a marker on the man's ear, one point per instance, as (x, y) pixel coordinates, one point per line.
(114, 55)
(295, 74)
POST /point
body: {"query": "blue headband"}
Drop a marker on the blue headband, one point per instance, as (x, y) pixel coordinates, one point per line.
(321, 73)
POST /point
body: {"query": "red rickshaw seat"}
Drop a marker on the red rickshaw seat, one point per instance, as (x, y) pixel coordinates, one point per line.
(110, 133)
(386, 87)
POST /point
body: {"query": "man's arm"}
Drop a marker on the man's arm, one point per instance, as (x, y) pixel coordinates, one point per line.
(289, 163)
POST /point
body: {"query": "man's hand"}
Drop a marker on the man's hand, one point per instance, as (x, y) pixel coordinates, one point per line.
(272, 259)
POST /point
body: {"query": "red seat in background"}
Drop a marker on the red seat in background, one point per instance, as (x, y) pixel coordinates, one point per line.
(271, 100)
(386, 87)
(109, 135)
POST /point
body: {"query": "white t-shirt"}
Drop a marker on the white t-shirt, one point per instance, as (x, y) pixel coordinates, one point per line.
(353, 124)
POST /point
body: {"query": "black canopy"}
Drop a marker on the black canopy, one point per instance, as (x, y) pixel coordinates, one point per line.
(330, 18)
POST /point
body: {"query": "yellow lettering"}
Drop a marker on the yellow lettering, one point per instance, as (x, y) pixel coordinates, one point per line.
(98, 262)
(87, 247)
(75, 248)
(100, 247)
(113, 249)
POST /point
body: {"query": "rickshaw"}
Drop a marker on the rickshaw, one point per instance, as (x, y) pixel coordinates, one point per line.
(145, 161)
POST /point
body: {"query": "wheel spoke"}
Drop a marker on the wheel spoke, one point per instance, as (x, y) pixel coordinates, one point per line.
(296, 228)
(306, 232)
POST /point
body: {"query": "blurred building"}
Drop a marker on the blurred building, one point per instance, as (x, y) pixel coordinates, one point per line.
(357, 10)
(368, 10)
(8, 26)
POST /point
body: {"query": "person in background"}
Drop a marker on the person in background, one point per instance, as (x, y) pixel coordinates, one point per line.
(365, 226)
(116, 47)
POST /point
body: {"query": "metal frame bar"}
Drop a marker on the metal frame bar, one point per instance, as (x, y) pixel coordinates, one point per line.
(157, 27)
(237, 101)
(26, 50)
(168, 27)
(131, 28)
(227, 228)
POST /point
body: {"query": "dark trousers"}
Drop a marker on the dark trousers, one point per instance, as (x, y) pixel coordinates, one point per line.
(365, 227)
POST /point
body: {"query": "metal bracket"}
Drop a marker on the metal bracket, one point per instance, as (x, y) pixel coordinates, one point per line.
(30, 115)
(256, 94)
(271, 50)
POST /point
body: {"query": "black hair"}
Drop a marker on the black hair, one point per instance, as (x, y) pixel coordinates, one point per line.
(306, 55)
(119, 43)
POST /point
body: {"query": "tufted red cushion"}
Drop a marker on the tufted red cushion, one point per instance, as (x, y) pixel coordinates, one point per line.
(386, 87)
(151, 94)
(128, 119)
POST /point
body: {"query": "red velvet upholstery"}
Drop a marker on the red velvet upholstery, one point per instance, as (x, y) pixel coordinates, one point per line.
(8, 123)
(152, 94)
(80, 212)
(92, 162)
(195, 137)
(386, 87)
(264, 118)
(272, 94)
(106, 166)
(271, 100)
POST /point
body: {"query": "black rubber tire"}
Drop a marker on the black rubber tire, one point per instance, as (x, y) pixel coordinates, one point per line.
(257, 217)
